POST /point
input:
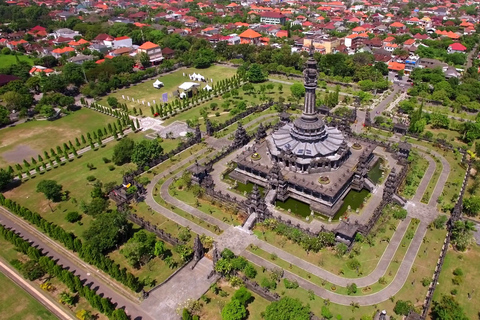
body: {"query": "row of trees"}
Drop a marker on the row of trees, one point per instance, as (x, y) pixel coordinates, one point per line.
(71, 242)
(74, 283)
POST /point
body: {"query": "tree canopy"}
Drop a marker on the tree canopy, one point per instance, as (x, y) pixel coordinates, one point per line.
(51, 189)
(106, 231)
(448, 309)
(286, 309)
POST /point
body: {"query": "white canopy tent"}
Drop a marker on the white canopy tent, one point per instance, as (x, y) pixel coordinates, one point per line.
(158, 84)
(207, 88)
(188, 85)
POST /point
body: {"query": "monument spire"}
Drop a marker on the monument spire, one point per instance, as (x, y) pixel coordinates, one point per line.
(310, 83)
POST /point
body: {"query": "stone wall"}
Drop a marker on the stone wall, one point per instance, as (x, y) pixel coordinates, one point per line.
(162, 234)
(263, 292)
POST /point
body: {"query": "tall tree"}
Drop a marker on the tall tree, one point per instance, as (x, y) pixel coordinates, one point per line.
(51, 189)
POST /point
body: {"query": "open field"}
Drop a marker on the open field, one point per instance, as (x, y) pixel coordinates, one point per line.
(213, 309)
(32, 138)
(15, 303)
(76, 184)
(468, 262)
(26, 307)
(7, 60)
(145, 91)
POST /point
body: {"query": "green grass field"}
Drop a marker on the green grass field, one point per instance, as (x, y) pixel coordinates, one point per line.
(7, 60)
(146, 91)
(468, 262)
(213, 309)
(32, 138)
(15, 303)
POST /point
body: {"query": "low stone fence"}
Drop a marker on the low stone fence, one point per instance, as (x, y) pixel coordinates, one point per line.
(263, 292)
(169, 278)
(162, 234)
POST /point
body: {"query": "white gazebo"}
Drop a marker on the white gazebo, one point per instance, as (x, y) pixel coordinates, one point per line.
(158, 84)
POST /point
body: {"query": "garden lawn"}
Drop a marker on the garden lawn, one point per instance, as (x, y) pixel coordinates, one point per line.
(416, 170)
(433, 182)
(468, 262)
(457, 172)
(156, 269)
(26, 307)
(7, 60)
(73, 177)
(213, 309)
(413, 289)
(223, 115)
(33, 138)
(326, 258)
(145, 90)
(15, 303)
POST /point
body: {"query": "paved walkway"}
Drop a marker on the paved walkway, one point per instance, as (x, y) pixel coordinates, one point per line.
(187, 284)
(383, 104)
(422, 187)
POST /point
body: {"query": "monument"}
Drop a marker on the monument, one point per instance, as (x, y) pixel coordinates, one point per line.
(305, 159)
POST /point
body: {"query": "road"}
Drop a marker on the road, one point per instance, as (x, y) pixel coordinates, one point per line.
(92, 276)
(51, 305)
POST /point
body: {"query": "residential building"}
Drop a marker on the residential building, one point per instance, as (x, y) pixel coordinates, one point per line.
(456, 48)
(119, 42)
(152, 50)
(57, 53)
(250, 36)
(273, 18)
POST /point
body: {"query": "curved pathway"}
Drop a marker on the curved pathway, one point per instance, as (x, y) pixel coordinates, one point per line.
(238, 240)
(234, 237)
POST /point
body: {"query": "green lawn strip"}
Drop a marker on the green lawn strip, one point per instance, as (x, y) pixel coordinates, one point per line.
(316, 303)
(44, 135)
(76, 184)
(326, 258)
(156, 269)
(448, 111)
(416, 170)
(468, 262)
(433, 182)
(17, 304)
(231, 128)
(221, 213)
(221, 115)
(180, 212)
(389, 273)
(7, 60)
(213, 309)
(455, 178)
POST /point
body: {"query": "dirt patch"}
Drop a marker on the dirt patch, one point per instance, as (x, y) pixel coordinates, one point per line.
(19, 153)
